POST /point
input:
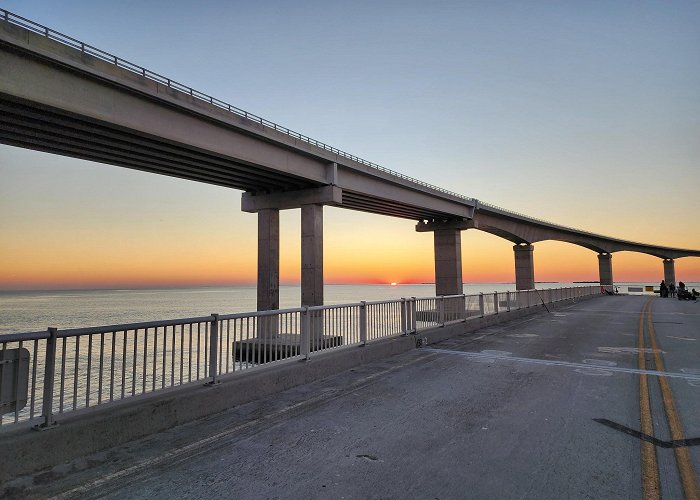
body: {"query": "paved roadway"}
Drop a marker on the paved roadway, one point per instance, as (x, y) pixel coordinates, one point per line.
(507, 412)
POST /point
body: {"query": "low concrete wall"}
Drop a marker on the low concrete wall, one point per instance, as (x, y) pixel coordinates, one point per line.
(83, 432)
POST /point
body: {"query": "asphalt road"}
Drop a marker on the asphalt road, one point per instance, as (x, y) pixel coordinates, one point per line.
(506, 412)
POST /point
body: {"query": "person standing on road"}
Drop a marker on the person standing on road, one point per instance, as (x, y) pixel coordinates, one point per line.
(663, 289)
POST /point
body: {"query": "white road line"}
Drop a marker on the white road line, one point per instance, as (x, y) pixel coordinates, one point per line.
(535, 361)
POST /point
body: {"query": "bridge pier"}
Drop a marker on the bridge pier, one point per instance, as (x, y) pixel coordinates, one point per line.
(605, 271)
(311, 202)
(524, 267)
(267, 206)
(669, 271)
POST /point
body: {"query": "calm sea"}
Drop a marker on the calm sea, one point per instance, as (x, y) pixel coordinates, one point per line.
(37, 310)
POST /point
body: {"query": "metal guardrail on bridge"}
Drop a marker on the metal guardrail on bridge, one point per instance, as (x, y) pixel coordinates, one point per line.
(49, 373)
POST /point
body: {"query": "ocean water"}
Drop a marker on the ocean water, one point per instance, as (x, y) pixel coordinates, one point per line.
(27, 311)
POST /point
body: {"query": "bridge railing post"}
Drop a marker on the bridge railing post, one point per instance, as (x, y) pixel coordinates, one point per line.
(481, 305)
(414, 308)
(49, 379)
(404, 317)
(441, 310)
(495, 302)
(214, 350)
(508, 301)
(305, 336)
(363, 323)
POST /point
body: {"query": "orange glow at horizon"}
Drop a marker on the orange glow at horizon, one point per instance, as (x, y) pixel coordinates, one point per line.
(386, 262)
(358, 248)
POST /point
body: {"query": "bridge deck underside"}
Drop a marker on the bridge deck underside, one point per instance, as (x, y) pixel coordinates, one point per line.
(37, 127)
(364, 203)
(41, 128)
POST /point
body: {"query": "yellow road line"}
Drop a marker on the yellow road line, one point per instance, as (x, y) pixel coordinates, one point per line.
(651, 484)
(684, 462)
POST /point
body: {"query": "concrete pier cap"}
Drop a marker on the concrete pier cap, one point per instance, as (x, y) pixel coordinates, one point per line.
(284, 200)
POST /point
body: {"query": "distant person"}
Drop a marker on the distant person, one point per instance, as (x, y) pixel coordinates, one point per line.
(695, 293)
(672, 289)
(681, 285)
(663, 289)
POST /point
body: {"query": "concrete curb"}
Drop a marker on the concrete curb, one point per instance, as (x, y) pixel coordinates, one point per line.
(82, 433)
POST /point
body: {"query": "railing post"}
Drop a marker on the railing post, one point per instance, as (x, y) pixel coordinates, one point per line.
(508, 301)
(49, 372)
(404, 319)
(414, 309)
(214, 350)
(363, 323)
(495, 302)
(463, 305)
(305, 337)
(481, 305)
(441, 310)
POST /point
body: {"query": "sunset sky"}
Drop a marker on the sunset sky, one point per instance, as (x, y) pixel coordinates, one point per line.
(583, 113)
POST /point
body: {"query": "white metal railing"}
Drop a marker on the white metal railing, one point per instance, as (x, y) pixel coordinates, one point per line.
(58, 371)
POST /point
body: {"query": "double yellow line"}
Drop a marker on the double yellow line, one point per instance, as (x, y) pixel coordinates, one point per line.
(651, 484)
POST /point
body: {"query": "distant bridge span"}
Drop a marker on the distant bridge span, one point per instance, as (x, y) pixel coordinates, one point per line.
(62, 96)
(523, 231)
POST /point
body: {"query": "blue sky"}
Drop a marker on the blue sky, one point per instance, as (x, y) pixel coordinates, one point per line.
(585, 113)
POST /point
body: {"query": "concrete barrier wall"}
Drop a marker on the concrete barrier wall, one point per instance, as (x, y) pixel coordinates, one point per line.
(84, 432)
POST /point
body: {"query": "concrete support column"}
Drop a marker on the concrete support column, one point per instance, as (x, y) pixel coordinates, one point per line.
(605, 271)
(524, 267)
(268, 269)
(312, 255)
(669, 271)
(268, 260)
(448, 261)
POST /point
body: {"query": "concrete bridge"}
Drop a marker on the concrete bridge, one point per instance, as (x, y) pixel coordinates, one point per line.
(62, 96)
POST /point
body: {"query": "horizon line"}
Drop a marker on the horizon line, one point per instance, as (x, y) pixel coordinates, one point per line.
(296, 285)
